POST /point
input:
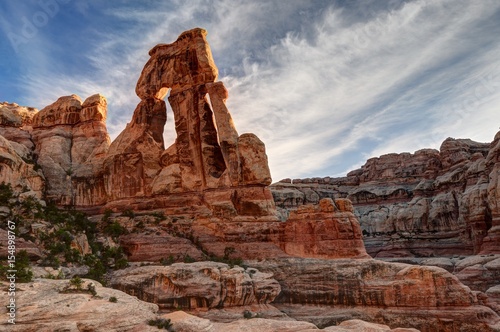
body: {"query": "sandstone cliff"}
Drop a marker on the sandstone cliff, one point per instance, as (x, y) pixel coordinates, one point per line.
(209, 168)
(17, 159)
(430, 203)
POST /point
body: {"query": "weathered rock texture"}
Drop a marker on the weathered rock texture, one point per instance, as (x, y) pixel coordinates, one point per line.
(42, 307)
(71, 141)
(17, 160)
(211, 175)
(209, 169)
(197, 285)
(207, 155)
(326, 292)
(430, 203)
(328, 231)
(184, 322)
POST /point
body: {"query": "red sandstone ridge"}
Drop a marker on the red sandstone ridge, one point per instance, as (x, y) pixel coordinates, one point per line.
(430, 203)
(317, 231)
(210, 169)
(211, 177)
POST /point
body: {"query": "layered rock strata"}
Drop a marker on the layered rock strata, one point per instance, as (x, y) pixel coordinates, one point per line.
(430, 203)
(328, 231)
(197, 285)
(71, 141)
(326, 292)
(186, 322)
(210, 169)
(208, 156)
(17, 159)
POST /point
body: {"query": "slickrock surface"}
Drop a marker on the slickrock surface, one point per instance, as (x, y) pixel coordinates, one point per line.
(197, 285)
(43, 308)
(326, 292)
(430, 203)
(184, 322)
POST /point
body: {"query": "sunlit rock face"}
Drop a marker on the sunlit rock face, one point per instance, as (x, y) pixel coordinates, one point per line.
(206, 285)
(207, 160)
(430, 203)
(326, 292)
(71, 141)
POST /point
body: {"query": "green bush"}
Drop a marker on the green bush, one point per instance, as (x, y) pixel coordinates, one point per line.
(128, 213)
(91, 289)
(113, 299)
(76, 282)
(167, 261)
(22, 267)
(114, 229)
(247, 314)
(96, 268)
(188, 259)
(6, 193)
(161, 323)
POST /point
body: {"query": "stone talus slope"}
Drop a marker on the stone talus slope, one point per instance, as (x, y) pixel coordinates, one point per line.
(430, 203)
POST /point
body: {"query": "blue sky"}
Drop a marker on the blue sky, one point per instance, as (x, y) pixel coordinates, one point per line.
(325, 84)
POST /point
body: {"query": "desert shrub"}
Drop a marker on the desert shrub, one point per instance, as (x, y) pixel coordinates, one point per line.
(113, 299)
(247, 314)
(76, 282)
(188, 259)
(22, 267)
(6, 193)
(114, 229)
(128, 213)
(167, 261)
(161, 323)
(91, 289)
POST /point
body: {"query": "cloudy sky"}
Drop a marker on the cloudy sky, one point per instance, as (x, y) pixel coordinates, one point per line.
(325, 84)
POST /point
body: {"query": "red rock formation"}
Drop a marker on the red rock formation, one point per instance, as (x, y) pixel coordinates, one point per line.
(326, 292)
(141, 247)
(17, 160)
(317, 231)
(133, 159)
(70, 141)
(197, 285)
(430, 203)
(208, 159)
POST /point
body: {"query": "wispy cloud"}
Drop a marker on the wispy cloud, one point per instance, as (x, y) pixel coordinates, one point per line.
(324, 85)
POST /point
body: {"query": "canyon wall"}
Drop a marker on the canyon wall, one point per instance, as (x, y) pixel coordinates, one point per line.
(429, 203)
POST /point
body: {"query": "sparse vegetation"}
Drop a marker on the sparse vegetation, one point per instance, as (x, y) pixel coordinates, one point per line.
(91, 289)
(247, 314)
(128, 213)
(167, 261)
(22, 266)
(76, 282)
(162, 323)
(113, 299)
